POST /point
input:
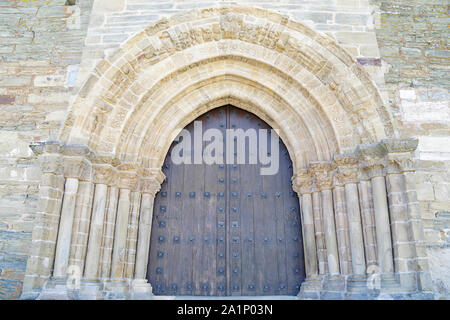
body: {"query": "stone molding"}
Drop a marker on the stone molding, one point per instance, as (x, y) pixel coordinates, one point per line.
(322, 171)
(151, 181)
(347, 168)
(302, 182)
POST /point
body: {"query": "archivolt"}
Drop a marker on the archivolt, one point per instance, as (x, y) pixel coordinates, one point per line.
(297, 80)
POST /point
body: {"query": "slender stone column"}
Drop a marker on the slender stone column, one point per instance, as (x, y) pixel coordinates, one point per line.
(81, 223)
(342, 230)
(132, 234)
(348, 172)
(145, 227)
(120, 235)
(150, 186)
(127, 183)
(91, 270)
(319, 234)
(302, 184)
(65, 228)
(325, 183)
(108, 231)
(368, 221)
(356, 234)
(373, 164)
(382, 224)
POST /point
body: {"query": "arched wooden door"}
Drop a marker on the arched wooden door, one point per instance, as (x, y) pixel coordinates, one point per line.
(222, 230)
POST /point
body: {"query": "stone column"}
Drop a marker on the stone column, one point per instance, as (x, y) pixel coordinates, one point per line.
(407, 230)
(120, 234)
(302, 184)
(342, 232)
(150, 186)
(368, 220)
(95, 232)
(65, 228)
(108, 231)
(348, 172)
(127, 183)
(324, 181)
(319, 233)
(81, 224)
(103, 177)
(373, 163)
(132, 234)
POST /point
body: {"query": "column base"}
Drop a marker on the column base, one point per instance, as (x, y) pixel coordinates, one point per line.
(60, 289)
(55, 289)
(141, 290)
(333, 288)
(310, 289)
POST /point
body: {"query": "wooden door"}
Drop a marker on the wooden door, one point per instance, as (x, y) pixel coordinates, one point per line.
(225, 229)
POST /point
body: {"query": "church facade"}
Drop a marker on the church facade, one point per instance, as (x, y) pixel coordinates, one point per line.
(94, 95)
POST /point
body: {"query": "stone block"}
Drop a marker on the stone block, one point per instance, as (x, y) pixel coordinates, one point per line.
(107, 6)
(49, 81)
(442, 191)
(10, 289)
(369, 51)
(15, 81)
(367, 38)
(410, 52)
(425, 191)
(352, 19)
(316, 17)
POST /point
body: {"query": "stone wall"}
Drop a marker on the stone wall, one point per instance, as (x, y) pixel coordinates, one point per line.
(413, 42)
(40, 47)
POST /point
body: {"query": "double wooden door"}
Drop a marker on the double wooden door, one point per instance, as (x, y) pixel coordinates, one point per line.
(225, 229)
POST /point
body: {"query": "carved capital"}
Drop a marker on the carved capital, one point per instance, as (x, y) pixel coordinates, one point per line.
(302, 182)
(77, 167)
(51, 163)
(104, 174)
(322, 174)
(151, 181)
(128, 180)
(347, 168)
(399, 162)
(372, 158)
(399, 154)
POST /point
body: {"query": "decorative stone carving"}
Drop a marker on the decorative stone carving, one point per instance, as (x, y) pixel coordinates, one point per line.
(151, 182)
(399, 154)
(372, 159)
(104, 174)
(77, 167)
(128, 180)
(322, 174)
(347, 168)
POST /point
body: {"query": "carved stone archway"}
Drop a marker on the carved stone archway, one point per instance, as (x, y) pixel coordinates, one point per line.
(100, 178)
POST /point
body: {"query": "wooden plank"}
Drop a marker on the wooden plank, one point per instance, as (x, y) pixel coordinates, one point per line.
(246, 189)
(278, 194)
(176, 227)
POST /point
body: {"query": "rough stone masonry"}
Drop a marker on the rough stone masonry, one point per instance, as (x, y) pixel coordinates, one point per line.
(50, 48)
